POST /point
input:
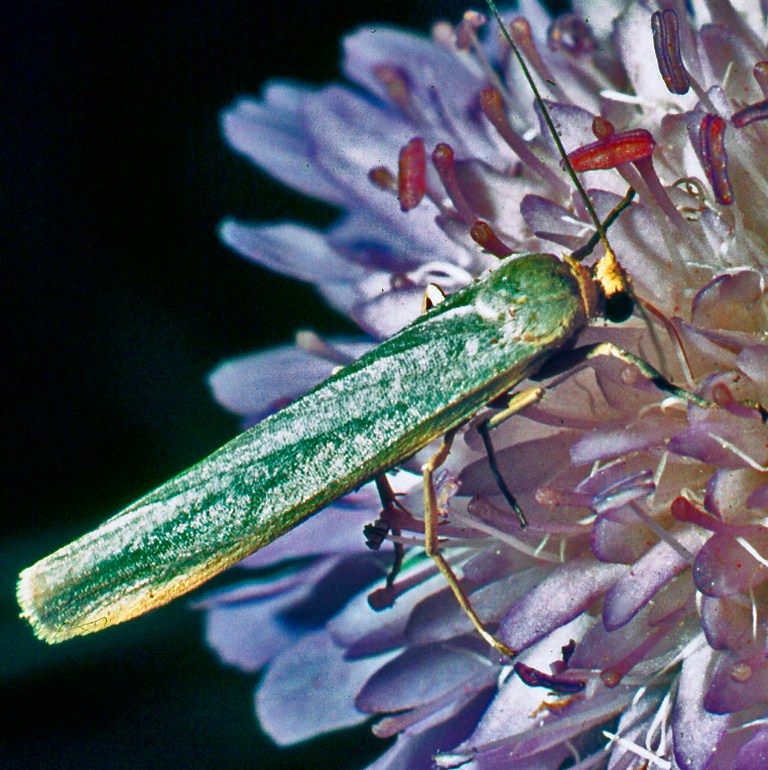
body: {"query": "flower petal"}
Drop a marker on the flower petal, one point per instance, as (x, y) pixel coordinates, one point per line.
(305, 691)
(652, 571)
(566, 593)
(696, 733)
(272, 133)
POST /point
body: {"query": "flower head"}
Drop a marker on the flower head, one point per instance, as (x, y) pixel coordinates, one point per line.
(637, 598)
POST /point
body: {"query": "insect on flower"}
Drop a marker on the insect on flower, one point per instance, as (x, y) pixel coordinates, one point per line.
(422, 384)
(614, 532)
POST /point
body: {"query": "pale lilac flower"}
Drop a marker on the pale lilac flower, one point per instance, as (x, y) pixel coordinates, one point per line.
(638, 596)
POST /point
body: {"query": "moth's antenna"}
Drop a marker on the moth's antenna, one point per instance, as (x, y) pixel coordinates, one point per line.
(550, 124)
(619, 298)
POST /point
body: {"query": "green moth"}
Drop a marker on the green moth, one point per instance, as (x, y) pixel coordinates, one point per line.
(371, 415)
(421, 384)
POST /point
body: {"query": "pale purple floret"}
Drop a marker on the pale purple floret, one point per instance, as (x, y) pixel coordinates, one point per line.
(639, 592)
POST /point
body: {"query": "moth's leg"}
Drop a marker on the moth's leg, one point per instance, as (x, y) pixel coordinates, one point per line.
(517, 403)
(376, 533)
(566, 364)
(658, 379)
(432, 545)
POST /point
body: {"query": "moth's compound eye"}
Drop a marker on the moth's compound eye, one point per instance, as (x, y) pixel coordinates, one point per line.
(619, 306)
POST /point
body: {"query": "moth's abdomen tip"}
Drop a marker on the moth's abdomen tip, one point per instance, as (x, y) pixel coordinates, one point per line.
(30, 595)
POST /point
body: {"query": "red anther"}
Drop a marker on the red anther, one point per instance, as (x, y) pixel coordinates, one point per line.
(383, 178)
(755, 112)
(666, 43)
(714, 158)
(492, 106)
(442, 155)
(571, 34)
(685, 511)
(443, 161)
(521, 33)
(623, 147)
(484, 236)
(760, 72)
(602, 128)
(396, 83)
(560, 684)
(412, 174)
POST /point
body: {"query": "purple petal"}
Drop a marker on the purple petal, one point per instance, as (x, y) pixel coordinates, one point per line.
(729, 492)
(696, 732)
(758, 500)
(753, 361)
(417, 676)
(754, 753)
(415, 749)
(607, 442)
(362, 630)
(336, 529)
(389, 312)
(647, 576)
(723, 567)
(620, 542)
(737, 684)
(549, 220)
(731, 301)
(438, 82)
(567, 592)
(246, 633)
(310, 690)
(272, 133)
(746, 432)
(260, 383)
(727, 624)
(656, 631)
(576, 718)
(290, 249)
(352, 135)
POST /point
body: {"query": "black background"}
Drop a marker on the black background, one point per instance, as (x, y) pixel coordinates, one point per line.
(118, 300)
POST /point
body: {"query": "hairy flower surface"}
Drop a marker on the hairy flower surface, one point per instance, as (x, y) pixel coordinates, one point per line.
(637, 597)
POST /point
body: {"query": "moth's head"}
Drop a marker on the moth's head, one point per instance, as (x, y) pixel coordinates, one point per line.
(614, 288)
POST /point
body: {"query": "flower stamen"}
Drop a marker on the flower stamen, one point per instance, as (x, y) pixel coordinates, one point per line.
(521, 33)
(750, 114)
(492, 106)
(750, 549)
(663, 534)
(666, 43)
(613, 149)
(443, 159)
(412, 174)
(485, 237)
(383, 178)
(714, 158)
